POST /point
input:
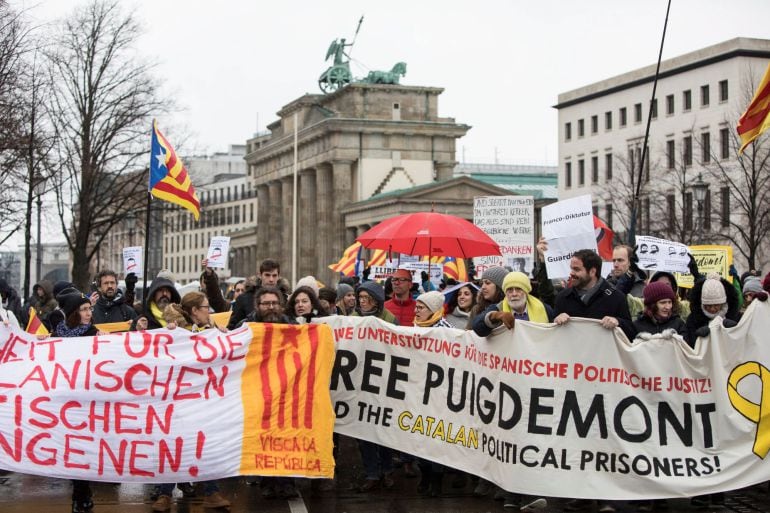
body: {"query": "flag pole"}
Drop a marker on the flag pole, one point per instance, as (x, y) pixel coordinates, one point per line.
(294, 213)
(146, 248)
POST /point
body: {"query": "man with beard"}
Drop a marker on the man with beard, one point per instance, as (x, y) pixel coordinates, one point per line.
(161, 294)
(589, 295)
(269, 304)
(110, 304)
(517, 304)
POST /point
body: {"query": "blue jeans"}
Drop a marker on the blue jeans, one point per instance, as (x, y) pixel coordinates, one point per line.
(377, 459)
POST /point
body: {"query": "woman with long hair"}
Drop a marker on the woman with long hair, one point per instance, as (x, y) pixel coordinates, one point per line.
(462, 299)
(303, 305)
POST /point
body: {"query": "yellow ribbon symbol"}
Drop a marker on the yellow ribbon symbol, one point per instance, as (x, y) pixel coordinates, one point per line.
(756, 413)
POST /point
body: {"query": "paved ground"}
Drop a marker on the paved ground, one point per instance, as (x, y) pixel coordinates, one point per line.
(31, 494)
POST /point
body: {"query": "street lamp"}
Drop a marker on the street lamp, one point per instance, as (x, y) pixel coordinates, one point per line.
(129, 223)
(699, 188)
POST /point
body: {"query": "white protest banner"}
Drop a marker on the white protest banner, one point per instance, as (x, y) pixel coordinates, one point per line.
(166, 406)
(567, 226)
(436, 271)
(219, 249)
(509, 221)
(382, 272)
(132, 260)
(572, 411)
(662, 255)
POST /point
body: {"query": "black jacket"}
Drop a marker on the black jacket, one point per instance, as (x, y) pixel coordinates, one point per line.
(115, 310)
(645, 324)
(698, 319)
(157, 283)
(605, 302)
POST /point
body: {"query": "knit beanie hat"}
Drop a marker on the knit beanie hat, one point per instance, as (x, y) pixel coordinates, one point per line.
(343, 289)
(328, 294)
(517, 279)
(655, 291)
(308, 281)
(713, 293)
(766, 283)
(752, 285)
(59, 286)
(375, 290)
(496, 275)
(434, 300)
(71, 301)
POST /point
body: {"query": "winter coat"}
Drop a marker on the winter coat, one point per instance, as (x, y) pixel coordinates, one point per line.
(115, 310)
(698, 319)
(157, 283)
(606, 301)
(647, 324)
(483, 329)
(402, 310)
(210, 283)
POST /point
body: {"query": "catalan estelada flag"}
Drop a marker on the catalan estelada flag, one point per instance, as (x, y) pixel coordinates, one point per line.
(455, 269)
(169, 180)
(35, 325)
(756, 119)
(347, 264)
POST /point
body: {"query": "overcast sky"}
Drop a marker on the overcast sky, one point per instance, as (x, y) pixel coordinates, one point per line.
(232, 64)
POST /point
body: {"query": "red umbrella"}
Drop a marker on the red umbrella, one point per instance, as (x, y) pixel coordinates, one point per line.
(430, 234)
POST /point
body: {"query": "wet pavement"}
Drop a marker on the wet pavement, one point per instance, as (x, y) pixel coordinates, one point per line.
(25, 493)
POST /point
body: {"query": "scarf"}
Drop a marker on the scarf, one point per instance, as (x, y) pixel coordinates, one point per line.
(155, 311)
(722, 312)
(431, 321)
(460, 313)
(535, 309)
(63, 331)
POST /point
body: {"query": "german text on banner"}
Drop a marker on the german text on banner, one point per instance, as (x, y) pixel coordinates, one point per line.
(168, 406)
(572, 410)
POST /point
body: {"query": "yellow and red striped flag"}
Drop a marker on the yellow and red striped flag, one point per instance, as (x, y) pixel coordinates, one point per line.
(756, 119)
(169, 180)
(379, 257)
(35, 325)
(455, 268)
(347, 264)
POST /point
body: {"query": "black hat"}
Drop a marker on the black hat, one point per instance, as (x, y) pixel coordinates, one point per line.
(71, 301)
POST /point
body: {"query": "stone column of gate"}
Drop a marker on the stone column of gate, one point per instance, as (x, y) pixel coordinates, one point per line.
(263, 230)
(342, 195)
(444, 170)
(274, 222)
(287, 186)
(324, 210)
(308, 231)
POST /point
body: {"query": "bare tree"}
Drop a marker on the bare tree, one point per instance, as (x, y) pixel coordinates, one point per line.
(101, 105)
(744, 200)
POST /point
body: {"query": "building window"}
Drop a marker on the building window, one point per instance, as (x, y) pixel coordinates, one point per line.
(594, 124)
(705, 144)
(251, 213)
(581, 127)
(654, 108)
(670, 104)
(594, 169)
(567, 131)
(707, 211)
(671, 154)
(724, 143)
(638, 113)
(623, 117)
(686, 100)
(671, 207)
(725, 201)
(704, 96)
(687, 142)
(608, 165)
(568, 175)
(608, 120)
(581, 172)
(608, 210)
(723, 91)
(632, 161)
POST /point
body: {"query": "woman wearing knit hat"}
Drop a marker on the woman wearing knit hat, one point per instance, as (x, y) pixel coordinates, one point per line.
(346, 299)
(429, 310)
(710, 298)
(661, 310)
(752, 289)
(491, 291)
(370, 300)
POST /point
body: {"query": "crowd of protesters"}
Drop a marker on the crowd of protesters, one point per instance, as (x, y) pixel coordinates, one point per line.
(627, 299)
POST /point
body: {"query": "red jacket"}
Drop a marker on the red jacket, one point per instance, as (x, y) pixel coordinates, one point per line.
(403, 310)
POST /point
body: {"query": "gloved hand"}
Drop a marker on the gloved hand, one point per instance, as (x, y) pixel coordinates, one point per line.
(424, 276)
(131, 280)
(366, 272)
(633, 266)
(761, 296)
(692, 265)
(504, 317)
(703, 331)
(729, 323)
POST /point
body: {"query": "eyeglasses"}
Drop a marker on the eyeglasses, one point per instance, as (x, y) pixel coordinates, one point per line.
(419, 308)
(364, 297)
(271, 304)
(399, 279)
